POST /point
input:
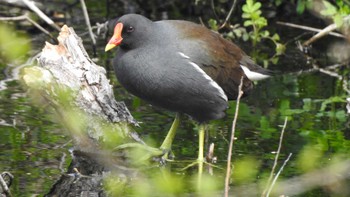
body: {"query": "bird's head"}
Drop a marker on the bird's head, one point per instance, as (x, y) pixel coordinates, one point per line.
(130, 31)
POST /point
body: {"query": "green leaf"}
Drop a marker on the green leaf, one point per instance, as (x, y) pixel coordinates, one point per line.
(231, 35)
(266, 63)
(237, 32)
(256, 6)
(276, 37)
(257, 13)
(246, 15)
(245, 8)
(338, 20)
(247, 23)
(265, 33)
(245, 37)
(274, 60)
(262, 21)
(249, 4)
(301, 6)
(213, 24)
(329, 10)
(280, 48)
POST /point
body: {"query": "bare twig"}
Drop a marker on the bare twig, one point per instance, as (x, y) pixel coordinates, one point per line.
(268, 185)
(18, 4)
(229, 14)
(35, 9)
(330, 73)
(5, 181)
(14, 18)
(212, 5)
(87, 20)
(62, 162)
(211, 158)
(278, 173)
(233, 129)
(320, 34)
(308, 28)
(210, 155)
(26, 17)
(324, 32)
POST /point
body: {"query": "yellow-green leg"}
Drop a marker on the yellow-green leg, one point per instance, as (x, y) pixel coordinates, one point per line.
(201, 134)
(168, 141)
(200, 159)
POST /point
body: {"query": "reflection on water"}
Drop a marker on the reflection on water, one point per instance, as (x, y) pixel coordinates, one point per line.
(32, 147)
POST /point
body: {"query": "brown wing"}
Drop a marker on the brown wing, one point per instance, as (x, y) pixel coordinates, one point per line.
(218, 57)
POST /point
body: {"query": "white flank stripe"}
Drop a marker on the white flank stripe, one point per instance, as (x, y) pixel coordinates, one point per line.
(183, 55)
(211, 81)
(254, 76)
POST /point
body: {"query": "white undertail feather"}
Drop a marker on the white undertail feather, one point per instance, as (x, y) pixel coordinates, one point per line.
(253, 76)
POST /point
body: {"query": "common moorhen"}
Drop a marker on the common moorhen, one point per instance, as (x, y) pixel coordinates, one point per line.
(181, 66)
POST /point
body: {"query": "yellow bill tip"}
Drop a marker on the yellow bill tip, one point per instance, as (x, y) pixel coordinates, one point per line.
(109, 47)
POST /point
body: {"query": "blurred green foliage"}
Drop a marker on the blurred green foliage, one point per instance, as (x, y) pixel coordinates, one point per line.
(337, 12)
(317, 130)
(253, 18)
(254, 29)
(240, 173)
(13, 44)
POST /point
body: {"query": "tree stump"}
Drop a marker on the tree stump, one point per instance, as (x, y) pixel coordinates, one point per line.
(78, 91)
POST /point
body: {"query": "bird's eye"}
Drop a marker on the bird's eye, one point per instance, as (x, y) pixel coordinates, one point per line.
(130, 29)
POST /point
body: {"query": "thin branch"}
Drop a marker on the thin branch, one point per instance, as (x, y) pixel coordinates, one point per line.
(87, 20)
(26, 17)
(330, 73)
(14, 18)
(41, 14)
(278, 173)
(62, 162)
(5, 181)
(18, 4)
(324, 32)
(212, 5)
(309, 28)
(320, 34)
(229, 14)
(268, 185)
(233, 129)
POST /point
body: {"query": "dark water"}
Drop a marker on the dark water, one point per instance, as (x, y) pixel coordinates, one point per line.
(35, 149)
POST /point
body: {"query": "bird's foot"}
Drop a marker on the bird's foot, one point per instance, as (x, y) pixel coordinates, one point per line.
(143, 152)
